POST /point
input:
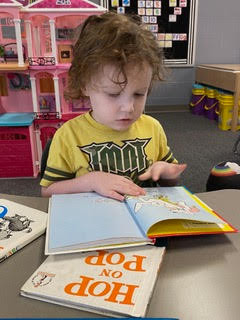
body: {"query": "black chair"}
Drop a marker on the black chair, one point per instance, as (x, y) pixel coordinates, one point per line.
(235, 147)
(45, 157)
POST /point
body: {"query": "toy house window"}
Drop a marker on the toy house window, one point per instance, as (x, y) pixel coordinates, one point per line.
(47, 37)
(46, 85)
(18, 81)
(8, 28)
(65, 53)
(63, 2)
(64, 34)
(8, 32)
(3, 86)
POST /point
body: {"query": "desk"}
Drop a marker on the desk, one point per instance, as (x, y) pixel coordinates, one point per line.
(199, 278)
(222, 76)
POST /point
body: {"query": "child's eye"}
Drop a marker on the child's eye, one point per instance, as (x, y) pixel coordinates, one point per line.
(138, 94)
(114, 94)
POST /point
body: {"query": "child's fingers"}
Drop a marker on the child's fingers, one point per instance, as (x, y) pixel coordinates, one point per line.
(123, 187)
(145, 176)
(181, 167)
(166, 171)
(174, 171)
(115, 195)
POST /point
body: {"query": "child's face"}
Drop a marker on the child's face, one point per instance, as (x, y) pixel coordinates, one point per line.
(116, 106)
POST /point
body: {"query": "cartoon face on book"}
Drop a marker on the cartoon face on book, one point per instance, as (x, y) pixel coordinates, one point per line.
(42, 279)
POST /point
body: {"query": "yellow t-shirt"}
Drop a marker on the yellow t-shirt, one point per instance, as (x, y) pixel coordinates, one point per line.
(82, 145)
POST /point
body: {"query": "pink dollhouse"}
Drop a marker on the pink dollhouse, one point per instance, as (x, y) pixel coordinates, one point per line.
(36, 42)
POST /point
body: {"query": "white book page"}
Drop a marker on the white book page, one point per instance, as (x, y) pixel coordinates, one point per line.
(88, 217)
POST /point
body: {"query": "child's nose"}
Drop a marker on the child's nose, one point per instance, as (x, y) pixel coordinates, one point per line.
(127, 105)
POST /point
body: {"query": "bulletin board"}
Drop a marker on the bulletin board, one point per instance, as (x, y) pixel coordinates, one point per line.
(173, 22)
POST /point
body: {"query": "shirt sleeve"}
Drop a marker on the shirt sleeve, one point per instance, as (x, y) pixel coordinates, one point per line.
(165, 153)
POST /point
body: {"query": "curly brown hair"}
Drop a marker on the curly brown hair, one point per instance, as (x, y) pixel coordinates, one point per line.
(115, 39)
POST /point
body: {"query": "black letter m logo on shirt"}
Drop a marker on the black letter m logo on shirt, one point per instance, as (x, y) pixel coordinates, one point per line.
(109, 157)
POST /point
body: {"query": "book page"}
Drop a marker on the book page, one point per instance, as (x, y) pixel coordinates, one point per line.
(165, 203)
(87, 218)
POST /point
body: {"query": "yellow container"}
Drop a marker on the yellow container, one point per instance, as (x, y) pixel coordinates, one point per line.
(198, 92)
(217, 94)
(210, 93)
(226, 102)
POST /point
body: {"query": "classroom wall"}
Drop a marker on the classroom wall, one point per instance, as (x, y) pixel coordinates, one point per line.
(217, 41)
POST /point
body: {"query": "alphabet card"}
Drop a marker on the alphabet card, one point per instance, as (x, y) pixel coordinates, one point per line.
(117, 283)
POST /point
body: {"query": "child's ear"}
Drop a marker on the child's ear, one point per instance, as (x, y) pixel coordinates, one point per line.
(85, 91)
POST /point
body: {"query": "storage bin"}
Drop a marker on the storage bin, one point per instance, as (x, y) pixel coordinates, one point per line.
(226, 103)
(212, 104)
(198, 99)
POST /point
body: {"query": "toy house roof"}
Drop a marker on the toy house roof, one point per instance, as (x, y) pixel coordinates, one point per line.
(23, 2)
(11, 3)
(64, 5)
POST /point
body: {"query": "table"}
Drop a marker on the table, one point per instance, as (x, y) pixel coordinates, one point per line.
(222, 76)
(199, 278)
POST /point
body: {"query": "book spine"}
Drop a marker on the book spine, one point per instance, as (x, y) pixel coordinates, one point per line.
(135, 220)
(14, 249)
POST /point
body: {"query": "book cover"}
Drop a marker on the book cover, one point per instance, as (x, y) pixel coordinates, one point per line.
(19, 225)
(117, 283)
(88, 221)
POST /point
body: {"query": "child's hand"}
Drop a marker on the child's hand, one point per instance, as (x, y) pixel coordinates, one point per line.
(163, 170)
(113, 186)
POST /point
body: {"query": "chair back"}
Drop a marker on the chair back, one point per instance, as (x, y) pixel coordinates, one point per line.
(45, 157)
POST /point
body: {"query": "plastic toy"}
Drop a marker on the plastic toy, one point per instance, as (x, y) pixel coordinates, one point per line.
(224, 175)
(36, 42)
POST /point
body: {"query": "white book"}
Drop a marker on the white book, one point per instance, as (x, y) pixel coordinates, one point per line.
(117, 283)
(19, 225)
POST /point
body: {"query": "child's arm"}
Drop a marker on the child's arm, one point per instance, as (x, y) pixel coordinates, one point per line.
(106, 184)
(167, 174)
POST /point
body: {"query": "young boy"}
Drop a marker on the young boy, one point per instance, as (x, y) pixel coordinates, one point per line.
(114, 149)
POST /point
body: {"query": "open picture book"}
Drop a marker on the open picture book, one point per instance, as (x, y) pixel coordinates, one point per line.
(117, 283)
(88, 221)
(19, 225)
